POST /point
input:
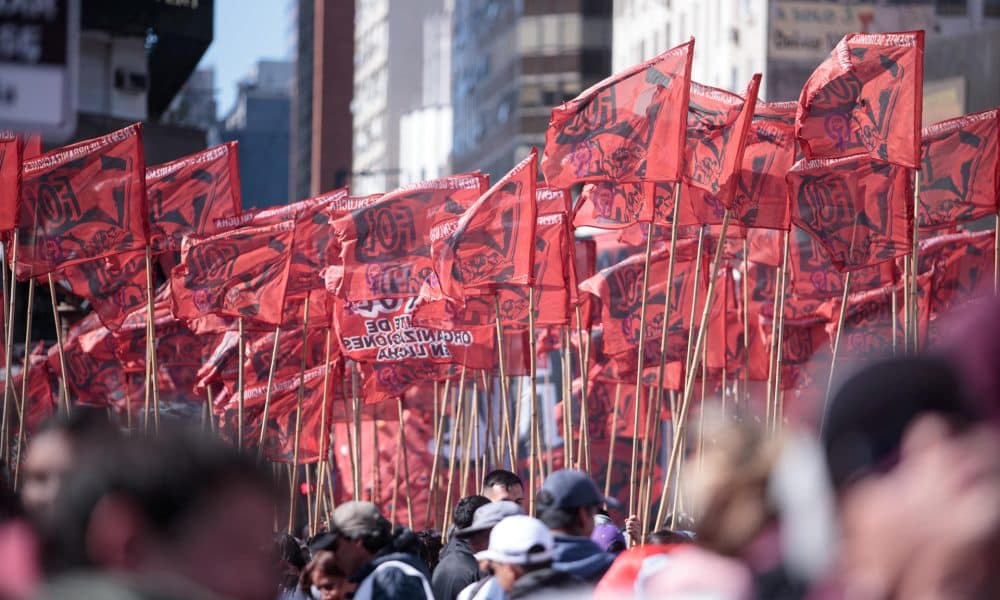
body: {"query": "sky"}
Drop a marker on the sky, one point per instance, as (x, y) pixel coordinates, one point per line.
(245, 32)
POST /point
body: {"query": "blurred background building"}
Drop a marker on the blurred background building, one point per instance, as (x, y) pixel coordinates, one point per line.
(511, 63)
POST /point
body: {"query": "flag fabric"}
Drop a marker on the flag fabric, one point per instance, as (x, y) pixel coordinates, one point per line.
(492, 243)
(609, 205)
(188, 195)
(867, 97)
(960, 178)
(627, 128)
(238, 273)
(761, 199)
(860, 211)
(717, 125)
(960, 267)
(10, 179)
(384, 247)
(83, 202)
(95, 374)
(114, 285)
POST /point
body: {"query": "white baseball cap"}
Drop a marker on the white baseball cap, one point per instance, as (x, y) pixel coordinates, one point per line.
(519, 540)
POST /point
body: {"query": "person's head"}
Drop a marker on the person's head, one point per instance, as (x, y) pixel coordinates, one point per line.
(363, 532)
(429, 550)
(291, 559)
(503, 485)
(466, 507)
(518, 545)
(668, 537)
(568, 502)
(484, 520)
(52, 453)
(322, 579)
(179, 505)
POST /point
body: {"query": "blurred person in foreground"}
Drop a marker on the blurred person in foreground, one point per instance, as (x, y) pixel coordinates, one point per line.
(503, 485)
(178, 516)
(381, 560)
(458, 567)
(519, 557)
(568, 503)
(916, 465)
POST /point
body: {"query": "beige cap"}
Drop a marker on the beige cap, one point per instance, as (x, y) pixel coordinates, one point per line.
(355, 519)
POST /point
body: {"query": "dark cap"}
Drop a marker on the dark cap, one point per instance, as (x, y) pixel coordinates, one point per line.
(570, 488)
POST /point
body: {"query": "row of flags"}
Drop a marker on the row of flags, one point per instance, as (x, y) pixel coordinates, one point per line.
(307, 307)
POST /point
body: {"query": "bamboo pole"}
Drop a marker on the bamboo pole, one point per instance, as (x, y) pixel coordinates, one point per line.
(633, 470)
(406, 463)
(567, 396)
(298, 411)
(59, 343)
(504, 389)
(241, 351)
(583, 451)
(456, 415)
(21, 425)
(324, 444)
(267, 393)
(614, 435)
(532, 374)
(151, 339)
(836, 342)
(779, 319)
(356, 442)
(9, 348)
(438, 437)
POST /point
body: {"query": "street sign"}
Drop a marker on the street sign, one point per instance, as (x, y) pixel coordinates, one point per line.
(39, 57)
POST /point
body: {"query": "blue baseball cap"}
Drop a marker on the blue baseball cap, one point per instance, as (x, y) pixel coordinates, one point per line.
(570, 488)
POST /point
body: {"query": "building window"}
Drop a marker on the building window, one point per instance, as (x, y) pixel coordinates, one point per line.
(952, 7)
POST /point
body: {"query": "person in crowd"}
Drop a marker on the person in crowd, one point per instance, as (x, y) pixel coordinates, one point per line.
(458, 567)
(609, 538)
(175, 516)
(429, 548)
(322, 579)
(503, 485)
(54, 450)
(291, 561)
(519, 556)
(567, 504)
(383, 562)
(905, 446)
(477, 536)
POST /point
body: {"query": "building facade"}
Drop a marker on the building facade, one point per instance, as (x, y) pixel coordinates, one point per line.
(259, 121)
(323, 46)
(388, 83)
(511, 63)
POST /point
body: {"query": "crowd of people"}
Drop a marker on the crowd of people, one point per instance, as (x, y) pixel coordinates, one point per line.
(897, 497)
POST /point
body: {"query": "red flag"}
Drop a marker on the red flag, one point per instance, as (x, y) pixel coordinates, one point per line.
(114, 285)
(95, 374)
(868, 321)
(388, 381)
(717, 125)
(629, 127)
(761, 192)
(960, 179)
(10, 179)
(608, 205)
(812, 277)
(243, 272)
(83, 202)
(385, 246)
(187, 196)
(41, 397)
(866, 98)
(960, 267)
(859, 210)
(492, 243)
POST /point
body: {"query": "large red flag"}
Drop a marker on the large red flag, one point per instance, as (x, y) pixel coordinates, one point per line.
(114, 285)
(40, 394)
(385, 247)
(629, 127)
(960, 179)
(492, 243)
(867, 97)
(188, 195)
(82, 202)
(960, 266)
(239, 273)
(762, 193)
(10, 179)
(860, 211)
(717, 125)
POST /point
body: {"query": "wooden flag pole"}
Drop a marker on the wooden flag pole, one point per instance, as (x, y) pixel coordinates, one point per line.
(395, 477)
(694, 301)
(324, 433)
(504, 389)
(746, 328)
(59, 342)
(613, 437)
(777, 333)
(567, 398)
(583, 450)
(438, 437)
(456, 416)
(21, 428)
(9, 347)
(240, 351)
(270, 383)
(467, 461)
(895, 319)
(836, 343)
(773, 342)
(690, 373)
(665, 331)
(356, 442)
(298, 412)
(532, 374)
(906, 304)
(633, 470)
(151, 339)
(376, 458)
(915, 261)
(406, 464)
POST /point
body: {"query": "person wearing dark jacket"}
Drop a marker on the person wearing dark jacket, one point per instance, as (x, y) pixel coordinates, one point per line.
(458, 567)
(384, 563)
(567, 503)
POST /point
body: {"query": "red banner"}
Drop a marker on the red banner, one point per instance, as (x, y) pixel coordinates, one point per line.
(761, 193)
(82, 202)
(10, 179)
(629, 127)
(867, 97)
